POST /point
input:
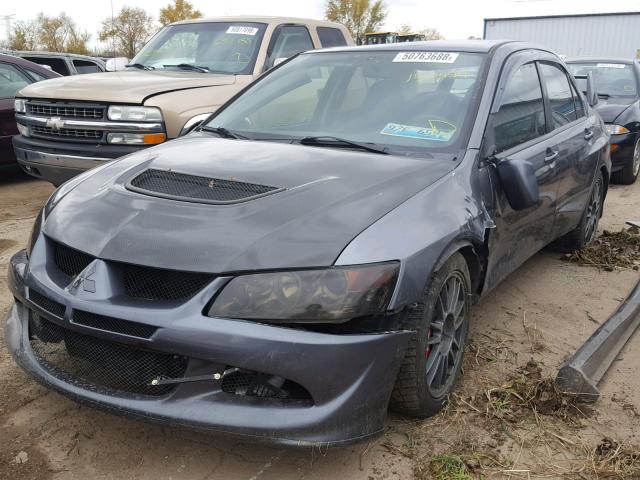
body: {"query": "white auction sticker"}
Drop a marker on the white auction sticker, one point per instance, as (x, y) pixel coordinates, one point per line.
(426, 57)
(240, 30)
(610, 65)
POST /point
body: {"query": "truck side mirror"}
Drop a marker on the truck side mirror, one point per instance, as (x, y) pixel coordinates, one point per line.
(519, 182)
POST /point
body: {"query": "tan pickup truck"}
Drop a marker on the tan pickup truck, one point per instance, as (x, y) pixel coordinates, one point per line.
(185, 72)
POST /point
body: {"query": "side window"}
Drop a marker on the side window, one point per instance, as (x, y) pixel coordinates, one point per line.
(563, 109)
(521, 114)
(288, 40)
(578, 102)
(11, 80)
(86, 66)
(35, 75)
(57, 64)
(331, 37)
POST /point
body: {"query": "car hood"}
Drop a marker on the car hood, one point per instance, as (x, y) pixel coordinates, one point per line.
(329, 197)
(611, 108)
(127, 86)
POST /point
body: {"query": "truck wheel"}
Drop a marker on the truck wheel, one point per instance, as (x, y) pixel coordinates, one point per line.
(433, 359)
(629, 173)
(586, 231)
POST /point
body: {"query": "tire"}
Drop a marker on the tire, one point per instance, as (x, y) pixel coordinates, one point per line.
(424, 381)
(629, 173)
(586, 231)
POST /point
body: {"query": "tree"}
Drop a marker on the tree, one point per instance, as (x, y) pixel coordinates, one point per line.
(24, 36)
(359, 16)
(179, 10)
(61, 34)
(128, 31)
(429, 33)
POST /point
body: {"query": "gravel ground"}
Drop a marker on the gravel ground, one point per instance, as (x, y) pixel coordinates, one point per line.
(543, 312)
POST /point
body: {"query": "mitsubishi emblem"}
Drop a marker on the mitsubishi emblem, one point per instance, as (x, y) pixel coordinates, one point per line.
(84, 279)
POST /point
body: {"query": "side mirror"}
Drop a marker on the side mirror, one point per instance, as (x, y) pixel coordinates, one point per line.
(587, 84)
(519, 182)
(116, 64)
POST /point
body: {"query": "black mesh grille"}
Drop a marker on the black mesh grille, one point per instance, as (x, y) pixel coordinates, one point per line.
(47, 304)
(115, 325)
(193, 188)
(68, 111)
(159, 284)
(90, 362)
(79, 134)
(71, 261)
(248, 383)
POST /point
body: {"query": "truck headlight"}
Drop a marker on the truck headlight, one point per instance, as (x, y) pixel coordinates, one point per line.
(335, 294)
(134, 113)
(136, 138)
(20, 105)
(616, 129)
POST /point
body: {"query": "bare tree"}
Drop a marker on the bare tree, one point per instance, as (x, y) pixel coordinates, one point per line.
(179, 10)
(429, 33)
(129, 30)
(359, 16)
(24, 36)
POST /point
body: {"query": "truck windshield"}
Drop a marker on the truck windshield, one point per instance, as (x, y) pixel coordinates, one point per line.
(216, 47)
(611, 79)
(410, 103)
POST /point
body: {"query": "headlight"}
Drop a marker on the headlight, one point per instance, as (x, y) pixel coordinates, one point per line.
(20, 105)
(136, 138)
(133, 113)
(616, 129)
(330, 295)
(35, 232)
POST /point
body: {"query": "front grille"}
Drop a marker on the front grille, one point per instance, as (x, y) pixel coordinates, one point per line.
(114, 325)
(66, 111)
(180, 186)
(79, 134)
(69, 260)
(47, 304)
(159, 284)
(248, 383)
(91, 362)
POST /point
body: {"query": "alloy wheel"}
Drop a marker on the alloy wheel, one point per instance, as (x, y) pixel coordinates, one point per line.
(446, 335)
(593, 212)
(635, 166)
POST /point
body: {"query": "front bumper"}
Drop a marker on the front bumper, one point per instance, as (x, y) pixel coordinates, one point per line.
(58, 162)
(349, 377)
(624, 147)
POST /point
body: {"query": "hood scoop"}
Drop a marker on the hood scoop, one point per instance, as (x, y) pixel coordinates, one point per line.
(192, 188)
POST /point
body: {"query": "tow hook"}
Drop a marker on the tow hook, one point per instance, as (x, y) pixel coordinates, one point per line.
(196, 378)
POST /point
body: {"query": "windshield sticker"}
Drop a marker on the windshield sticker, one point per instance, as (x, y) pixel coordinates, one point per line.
(610, 65)
(419, 133)
(240, 30)
(426, 57)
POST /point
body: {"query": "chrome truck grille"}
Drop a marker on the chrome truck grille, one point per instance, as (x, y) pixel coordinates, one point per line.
(96, 112)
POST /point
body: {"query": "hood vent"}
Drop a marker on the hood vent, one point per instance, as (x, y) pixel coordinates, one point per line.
(192, 188)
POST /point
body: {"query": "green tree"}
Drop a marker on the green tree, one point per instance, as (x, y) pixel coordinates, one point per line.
(359, 16)
(179, 10)
(24, 36)
(128, 31)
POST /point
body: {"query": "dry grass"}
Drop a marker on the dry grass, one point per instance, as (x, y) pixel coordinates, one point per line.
(610, 251)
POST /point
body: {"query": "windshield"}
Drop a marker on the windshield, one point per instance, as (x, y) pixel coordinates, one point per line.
(611, 79)
(409, 102)
(229, 48)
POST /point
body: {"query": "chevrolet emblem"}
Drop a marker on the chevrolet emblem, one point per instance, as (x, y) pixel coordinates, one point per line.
(56, 123)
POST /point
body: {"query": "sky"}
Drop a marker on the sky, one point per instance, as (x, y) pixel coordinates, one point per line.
(454, 19)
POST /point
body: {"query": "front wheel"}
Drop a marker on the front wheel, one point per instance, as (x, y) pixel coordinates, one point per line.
(629, 173)
(433, 359)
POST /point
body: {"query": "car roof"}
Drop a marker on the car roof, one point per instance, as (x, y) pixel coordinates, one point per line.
(50, 54)
(262, 19)
(627, 61)
(472, 46)
(27, 64)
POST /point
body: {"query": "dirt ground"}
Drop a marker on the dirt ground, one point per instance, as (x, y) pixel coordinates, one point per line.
(538, 317)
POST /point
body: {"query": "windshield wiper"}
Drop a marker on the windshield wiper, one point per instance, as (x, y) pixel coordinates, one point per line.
(140, 66)
(329, 141)
(188, 66)
(225, 133)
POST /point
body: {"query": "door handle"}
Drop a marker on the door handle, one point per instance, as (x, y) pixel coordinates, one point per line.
(552, 155)
(588, 134)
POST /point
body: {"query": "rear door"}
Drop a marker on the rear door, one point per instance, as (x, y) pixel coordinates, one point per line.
(574, 134)
(518, 131)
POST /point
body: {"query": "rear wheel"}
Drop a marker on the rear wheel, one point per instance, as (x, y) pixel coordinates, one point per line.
(629, 173)
(586, 231)
(433, 360)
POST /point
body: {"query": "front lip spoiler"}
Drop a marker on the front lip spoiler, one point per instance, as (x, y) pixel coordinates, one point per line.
(349, 376)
